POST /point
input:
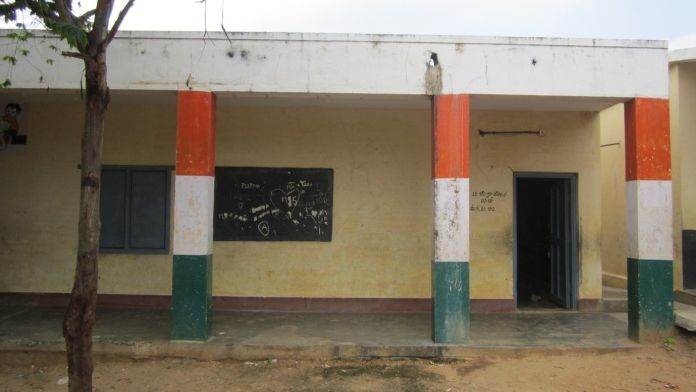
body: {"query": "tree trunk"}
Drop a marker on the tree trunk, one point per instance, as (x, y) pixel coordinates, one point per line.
(81, 313)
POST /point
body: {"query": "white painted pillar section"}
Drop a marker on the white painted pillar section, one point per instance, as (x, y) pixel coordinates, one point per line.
(451, 220)
(649, 219)
(193, 220)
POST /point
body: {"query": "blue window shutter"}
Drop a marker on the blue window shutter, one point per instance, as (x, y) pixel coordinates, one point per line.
(148, 209)
(113, 207)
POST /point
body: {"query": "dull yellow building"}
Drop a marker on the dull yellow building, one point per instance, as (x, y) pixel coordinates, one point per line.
(319, 172)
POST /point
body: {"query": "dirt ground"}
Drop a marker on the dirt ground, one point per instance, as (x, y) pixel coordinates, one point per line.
(671, 366)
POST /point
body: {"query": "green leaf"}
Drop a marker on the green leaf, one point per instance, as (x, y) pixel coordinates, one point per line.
(6, 84)
(49, 61)
(10, 59)
(24, 35)
(9, 15)
(23, 52)
(75, 36)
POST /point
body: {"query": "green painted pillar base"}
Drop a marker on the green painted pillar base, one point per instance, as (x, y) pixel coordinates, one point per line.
(192, 305)
(650, 300)
(450, 302)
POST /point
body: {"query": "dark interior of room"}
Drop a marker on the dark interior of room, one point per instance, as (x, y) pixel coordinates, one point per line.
(533, 242)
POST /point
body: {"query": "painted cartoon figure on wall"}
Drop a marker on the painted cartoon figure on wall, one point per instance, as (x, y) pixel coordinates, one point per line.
(10, 128)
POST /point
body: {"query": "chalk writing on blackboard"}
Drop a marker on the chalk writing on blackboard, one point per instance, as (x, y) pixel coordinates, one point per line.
(485, 201)
(273, 204)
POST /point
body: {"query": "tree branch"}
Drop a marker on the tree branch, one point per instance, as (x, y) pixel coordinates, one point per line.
(42, 10)
(8, 10)
(119, 20)
(101, 22)
(64, 11)
(76, 55)
(83, 18)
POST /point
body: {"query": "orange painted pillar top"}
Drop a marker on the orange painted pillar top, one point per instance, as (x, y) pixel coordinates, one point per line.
(647, 139)
(450, 125)
(195, 133)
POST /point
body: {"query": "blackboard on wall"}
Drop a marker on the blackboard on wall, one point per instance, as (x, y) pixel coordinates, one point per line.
(273, 204)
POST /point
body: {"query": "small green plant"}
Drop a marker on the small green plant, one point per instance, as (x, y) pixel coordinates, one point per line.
(669, 343)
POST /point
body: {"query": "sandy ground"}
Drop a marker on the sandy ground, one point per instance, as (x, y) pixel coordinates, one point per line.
(660, 368)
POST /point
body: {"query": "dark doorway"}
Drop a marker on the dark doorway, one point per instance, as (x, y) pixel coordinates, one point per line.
(546, 240)
(689, 258)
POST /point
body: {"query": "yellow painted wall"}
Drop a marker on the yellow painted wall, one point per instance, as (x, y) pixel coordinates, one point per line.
(40, 197)
(685, 98)
(139, 135)
(382, 207)
(613, 169)
(569, 146)
(382, 198)
(680, 132)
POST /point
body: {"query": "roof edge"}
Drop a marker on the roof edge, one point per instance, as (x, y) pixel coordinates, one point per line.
(387, 38)
(682, 55)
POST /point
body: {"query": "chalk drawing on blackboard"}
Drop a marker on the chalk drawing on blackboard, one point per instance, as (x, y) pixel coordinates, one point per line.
(264, 228)
(286, 201)
(268, 204)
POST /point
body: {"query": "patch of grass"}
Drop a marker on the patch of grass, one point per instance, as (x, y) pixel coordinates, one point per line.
(406, 377)
(669, 343)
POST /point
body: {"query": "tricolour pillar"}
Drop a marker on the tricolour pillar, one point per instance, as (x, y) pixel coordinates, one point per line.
(450, 267)
(193, 216)
(649, 219)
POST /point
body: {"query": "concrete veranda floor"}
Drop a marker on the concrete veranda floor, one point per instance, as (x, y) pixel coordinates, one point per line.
(257, 335)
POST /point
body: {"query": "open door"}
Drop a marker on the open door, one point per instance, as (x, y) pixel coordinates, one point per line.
(559, 242)
(545, 240)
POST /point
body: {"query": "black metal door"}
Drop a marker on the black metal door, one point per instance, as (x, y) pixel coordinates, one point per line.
(689, 258)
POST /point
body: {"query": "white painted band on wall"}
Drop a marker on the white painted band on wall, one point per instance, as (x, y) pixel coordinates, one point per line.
(193, 215)
(451, 220)
(649, 219)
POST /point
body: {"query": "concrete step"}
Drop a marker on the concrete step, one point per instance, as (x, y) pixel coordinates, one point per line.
(686, 296)
(614, 299)
(685, 316)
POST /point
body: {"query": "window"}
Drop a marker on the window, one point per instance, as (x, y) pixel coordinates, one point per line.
(134, 209)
